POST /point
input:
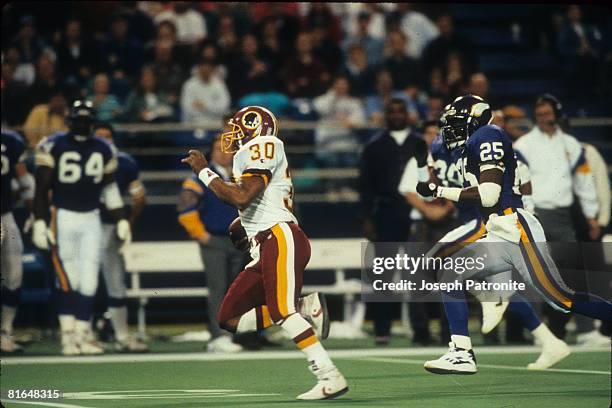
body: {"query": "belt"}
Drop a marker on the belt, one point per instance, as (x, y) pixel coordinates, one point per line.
(261, 236)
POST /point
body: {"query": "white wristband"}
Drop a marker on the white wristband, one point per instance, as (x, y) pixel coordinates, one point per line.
(450, 193)
(423, 174)
(207, 176)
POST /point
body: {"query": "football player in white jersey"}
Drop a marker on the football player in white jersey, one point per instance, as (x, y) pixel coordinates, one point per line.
(267, 291)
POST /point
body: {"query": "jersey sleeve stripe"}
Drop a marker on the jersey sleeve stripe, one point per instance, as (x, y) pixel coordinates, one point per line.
(265, 174)
(194, 186)
(44, 159)
(111, 166)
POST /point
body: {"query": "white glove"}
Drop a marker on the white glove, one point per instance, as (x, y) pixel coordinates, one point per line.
(124, 233)
(41, 235)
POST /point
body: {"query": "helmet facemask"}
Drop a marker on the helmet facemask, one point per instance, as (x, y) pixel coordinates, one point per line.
(454, 131)
(231, 138)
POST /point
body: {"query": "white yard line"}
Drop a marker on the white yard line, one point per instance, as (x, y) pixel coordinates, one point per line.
(269, 355)
(494, 366)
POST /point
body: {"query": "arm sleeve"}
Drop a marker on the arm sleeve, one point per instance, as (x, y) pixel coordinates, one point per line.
(43, 155)
(111, 161)
(409, 178)
(189, 216)
(584, 186)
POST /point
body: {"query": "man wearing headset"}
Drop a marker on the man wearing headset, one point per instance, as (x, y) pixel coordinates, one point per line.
(559, 174)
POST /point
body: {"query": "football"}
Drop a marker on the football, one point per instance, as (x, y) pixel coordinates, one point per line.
(238, 235)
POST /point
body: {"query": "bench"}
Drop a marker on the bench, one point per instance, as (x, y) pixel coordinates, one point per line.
(337, 255)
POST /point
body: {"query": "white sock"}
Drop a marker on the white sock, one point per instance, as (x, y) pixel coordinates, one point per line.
(82, 326)
(118, 317)
(8, 316)
(247, 322)
(543, 334)
(463, 342)
(303, 335)
(67, 323)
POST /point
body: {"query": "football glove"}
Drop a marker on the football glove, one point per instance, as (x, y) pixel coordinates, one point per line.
(124, 233)
(41, 235)
(427, 189)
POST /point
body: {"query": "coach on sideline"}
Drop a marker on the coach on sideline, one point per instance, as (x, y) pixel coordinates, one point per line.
(206, 219)
(559, 171)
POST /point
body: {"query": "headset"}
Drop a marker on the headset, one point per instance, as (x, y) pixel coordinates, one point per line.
(556, 105)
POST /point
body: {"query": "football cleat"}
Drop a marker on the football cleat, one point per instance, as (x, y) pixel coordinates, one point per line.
(330, 384)
(70, 346)
(592, 339)
(552, 353)
(314, 309)
(223, 344)
(492, 314)
(131, 345)
(87, 343)
(456, 361)
(9, 345)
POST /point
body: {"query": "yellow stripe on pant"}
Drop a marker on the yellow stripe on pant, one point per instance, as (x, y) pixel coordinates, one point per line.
(540, 269)
(281, 271)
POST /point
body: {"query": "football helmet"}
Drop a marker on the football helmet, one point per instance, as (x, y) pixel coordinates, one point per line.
(247, 124)
(461, 118)
(82, 118)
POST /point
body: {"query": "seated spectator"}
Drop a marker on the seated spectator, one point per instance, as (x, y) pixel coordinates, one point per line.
(46, 119)
(122, 55)
(248, 73)
(339, 114)
(372, 46)
(456, 75)
(436, 53)
(108, 107)
(375, 105)
(166, 34)
(147, 103)
(227, 39)
(513, 120)
(46, 81)
(304, 75)
(272, 46)
(404, 70)
(204, 96)
(14, 97)
(435, 106)
(190, 24)
(375, 22)
(437, 83)
(320, 15)
(479, 85)
(417, 27)
(28, 42)
(22, 71)
(360, 73)
(168, 72)
(581, 47)
(325, 48)
(76, 57)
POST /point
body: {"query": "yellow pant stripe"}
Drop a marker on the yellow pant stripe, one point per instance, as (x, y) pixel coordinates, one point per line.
(281, 271)
(537, 266)
(459, 245)
(265, 317)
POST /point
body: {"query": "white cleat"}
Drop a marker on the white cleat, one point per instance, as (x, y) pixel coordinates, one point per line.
(552, 353)
(330, 384)
(592, 339)
(88, 344)
(70, 346)
(456, 361)
(492, 314)
(314, 309)
(223, 344)
(9, 345)
(131, 345)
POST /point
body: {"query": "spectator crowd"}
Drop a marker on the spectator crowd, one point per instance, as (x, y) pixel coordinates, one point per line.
(195, 61)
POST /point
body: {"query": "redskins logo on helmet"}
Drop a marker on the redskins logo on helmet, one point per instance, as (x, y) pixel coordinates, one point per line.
(247, 124)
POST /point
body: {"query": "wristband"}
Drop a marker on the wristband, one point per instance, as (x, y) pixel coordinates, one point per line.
(207, 176)
(450, 193)
(423, 174)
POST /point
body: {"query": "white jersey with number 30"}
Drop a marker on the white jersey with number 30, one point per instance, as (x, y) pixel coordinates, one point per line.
(264, 156)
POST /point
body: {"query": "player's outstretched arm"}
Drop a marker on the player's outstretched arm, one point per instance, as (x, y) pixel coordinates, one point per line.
(485, 194)
(238, 195)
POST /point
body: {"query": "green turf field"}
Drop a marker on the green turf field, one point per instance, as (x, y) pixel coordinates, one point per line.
(377, 377)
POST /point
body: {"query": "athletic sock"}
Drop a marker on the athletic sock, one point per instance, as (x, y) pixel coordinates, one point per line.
(84, 307)
(543, 334)
(306, 340)
(118, 317)
(8, 316)
(462, 342)
(255, 319)
(67, 323)
(523, 308)
(456, 310)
